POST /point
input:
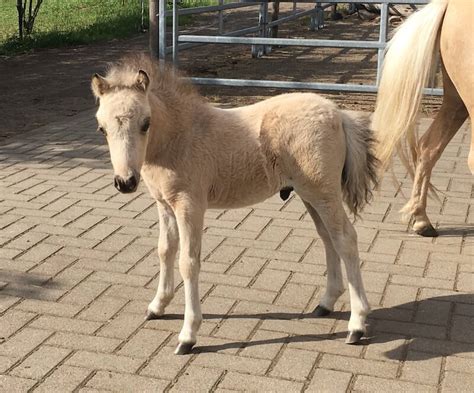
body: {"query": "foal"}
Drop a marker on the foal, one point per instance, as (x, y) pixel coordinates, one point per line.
(192, 156)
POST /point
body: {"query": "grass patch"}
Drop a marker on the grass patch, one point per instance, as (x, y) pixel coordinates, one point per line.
(71, 22)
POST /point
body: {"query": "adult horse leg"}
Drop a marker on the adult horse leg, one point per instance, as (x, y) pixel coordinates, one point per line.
(167, 248)
(447, 122)
(190, 218)
(344, 240)
(335, 286)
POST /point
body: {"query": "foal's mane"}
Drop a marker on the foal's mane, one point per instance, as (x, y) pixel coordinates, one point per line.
(164, 81)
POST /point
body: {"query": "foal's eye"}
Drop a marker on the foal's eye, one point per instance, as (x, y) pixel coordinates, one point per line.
(145, 126)
(102, 130)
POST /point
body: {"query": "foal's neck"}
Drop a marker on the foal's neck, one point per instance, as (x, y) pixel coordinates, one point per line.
(173, 117)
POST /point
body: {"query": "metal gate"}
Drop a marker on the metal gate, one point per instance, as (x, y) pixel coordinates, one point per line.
(261, 43)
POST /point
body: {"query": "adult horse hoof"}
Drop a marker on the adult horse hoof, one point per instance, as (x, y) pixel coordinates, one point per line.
(427, 231)
(183, 349)
(150, 315)
(321, 311)
(354, 337)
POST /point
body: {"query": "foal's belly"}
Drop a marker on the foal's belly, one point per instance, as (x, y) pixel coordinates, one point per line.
(243, 176)
(239, 201)
(242, 194)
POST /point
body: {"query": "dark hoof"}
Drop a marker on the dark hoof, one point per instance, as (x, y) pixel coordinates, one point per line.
(183, 349)
(427, 231)
(354, 337)
(150, 315)
(321, 311)
(285, 193)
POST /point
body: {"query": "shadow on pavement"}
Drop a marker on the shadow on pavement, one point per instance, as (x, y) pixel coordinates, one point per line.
(467, 231)
(422, 319)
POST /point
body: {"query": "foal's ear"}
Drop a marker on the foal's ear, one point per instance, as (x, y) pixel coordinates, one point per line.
(99, 85)
(142, 81)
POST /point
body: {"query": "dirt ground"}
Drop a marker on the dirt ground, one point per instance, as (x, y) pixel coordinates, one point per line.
(51, 85)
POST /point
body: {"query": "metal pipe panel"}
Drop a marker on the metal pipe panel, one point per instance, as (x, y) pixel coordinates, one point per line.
(235, 37)
(284, 84)
(280, 41)
(175, 33)
(162, 31)
(409, 2)
(291, 17)
(296, 85)
(382, 40)
(212, 8)
(247, 30)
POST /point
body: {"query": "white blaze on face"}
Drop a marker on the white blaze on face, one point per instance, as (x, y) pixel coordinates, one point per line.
(123, 154)
(123, 116)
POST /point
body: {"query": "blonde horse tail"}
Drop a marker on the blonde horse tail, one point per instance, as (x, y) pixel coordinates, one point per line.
(359, 175)
(408, 66)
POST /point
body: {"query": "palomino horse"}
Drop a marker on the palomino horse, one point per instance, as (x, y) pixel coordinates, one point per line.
(445, 26)
(192, 156)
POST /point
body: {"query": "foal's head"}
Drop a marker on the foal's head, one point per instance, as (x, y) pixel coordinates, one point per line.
(124, 118)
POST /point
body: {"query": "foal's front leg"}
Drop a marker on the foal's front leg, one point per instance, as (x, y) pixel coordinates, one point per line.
(167, 249)
(190, 218)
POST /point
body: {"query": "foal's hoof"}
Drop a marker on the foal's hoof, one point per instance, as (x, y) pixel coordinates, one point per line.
(427, 231)
(354, 337)
(183, 349)
(321, 311)
(285, 193)
(150, 315)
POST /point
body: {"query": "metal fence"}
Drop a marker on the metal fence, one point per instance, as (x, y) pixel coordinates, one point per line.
(262, 43)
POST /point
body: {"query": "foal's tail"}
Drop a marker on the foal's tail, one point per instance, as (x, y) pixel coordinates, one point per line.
(409, 63)
(359, 175)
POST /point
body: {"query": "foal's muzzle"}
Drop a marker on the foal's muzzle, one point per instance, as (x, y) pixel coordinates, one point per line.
(126, 186)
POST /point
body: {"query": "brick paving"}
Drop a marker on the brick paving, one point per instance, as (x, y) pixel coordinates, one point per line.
(78, 266)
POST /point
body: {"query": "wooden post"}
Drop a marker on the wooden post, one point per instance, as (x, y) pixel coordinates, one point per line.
(153, 30)
(275, 16)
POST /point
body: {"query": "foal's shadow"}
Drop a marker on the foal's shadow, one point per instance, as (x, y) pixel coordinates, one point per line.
(456, 231)
(421, 318)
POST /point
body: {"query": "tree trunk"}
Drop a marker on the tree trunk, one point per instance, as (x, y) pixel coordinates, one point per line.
(19, 7)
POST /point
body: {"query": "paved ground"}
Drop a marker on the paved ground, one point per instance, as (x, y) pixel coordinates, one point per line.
(78, 267)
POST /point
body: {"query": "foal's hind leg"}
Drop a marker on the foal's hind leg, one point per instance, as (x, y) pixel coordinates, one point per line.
(344, 240)
(451, 116)
(335, 286)
(167, 249)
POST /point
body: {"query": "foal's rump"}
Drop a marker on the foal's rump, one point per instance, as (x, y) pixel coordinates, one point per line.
(313, 146)
(316, 142)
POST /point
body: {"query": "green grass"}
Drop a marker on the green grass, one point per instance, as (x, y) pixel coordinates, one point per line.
(70, 22)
